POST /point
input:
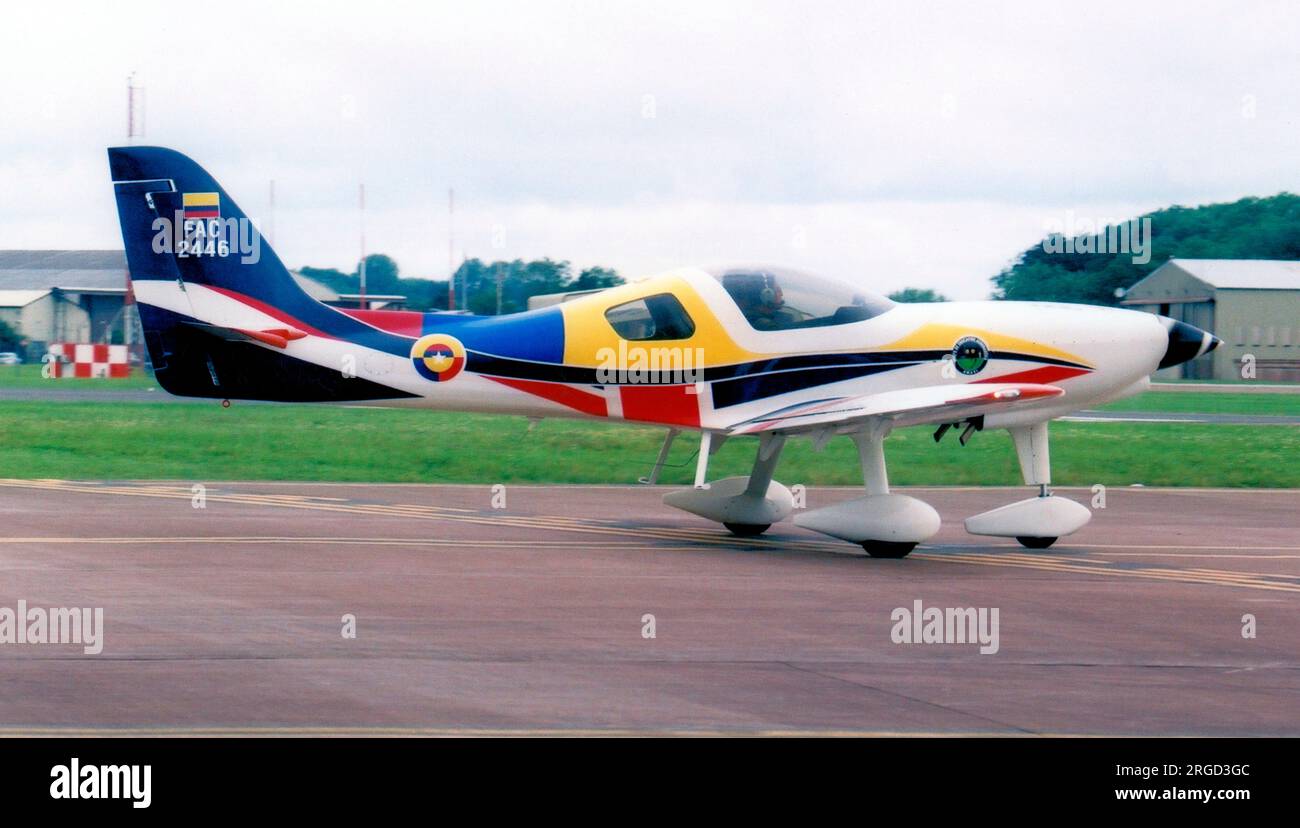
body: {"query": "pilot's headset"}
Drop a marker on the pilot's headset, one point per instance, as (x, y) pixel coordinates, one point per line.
(770, 294)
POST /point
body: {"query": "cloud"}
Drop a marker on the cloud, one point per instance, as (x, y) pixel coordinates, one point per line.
(647, 134)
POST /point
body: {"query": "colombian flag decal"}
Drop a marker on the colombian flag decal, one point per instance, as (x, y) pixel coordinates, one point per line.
(438, 357)
(201, 205)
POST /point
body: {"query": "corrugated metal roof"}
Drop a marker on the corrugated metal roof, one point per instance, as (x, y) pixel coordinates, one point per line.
(67, 279)
(20, 298)
(1259, 274)
(43, 269)
(28, 270)
(63, 260)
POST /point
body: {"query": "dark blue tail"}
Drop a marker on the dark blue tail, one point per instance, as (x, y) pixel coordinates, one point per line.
(181, 229)
(153, 186)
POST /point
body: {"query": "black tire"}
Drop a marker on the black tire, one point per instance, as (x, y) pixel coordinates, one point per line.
(1036, 543)
(747, 530)
(887, 549)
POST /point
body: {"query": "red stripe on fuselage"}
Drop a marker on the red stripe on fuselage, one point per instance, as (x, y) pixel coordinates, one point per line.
(1044, 376)
(666, 404)
(584, 401)
(269, 310)
(402, 323)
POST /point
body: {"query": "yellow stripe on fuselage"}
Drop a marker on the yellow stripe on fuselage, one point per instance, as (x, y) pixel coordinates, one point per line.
(936, 336)
(587, 331)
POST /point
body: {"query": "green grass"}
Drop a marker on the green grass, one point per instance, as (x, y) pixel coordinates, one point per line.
(29, 376)
(1208, 402)
(1180, 381)
(81, 440)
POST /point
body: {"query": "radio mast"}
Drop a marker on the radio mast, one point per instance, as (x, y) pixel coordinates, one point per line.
(451, 249)
(135, 101)
(361, 268)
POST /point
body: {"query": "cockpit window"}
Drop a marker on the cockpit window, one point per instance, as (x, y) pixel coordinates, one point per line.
(783, 300)
(654, 317)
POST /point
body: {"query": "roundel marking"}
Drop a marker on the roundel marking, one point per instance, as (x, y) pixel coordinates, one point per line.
(970, 355)
(438, 357)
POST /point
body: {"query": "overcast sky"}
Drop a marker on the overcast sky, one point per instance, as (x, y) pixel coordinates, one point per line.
(887, 144)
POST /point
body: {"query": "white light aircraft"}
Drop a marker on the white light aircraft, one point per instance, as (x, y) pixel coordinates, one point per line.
(745, 352)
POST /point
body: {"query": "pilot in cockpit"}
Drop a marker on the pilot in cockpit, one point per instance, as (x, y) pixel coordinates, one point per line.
(762, 302)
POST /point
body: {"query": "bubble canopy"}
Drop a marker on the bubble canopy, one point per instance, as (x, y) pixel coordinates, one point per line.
(781, 299)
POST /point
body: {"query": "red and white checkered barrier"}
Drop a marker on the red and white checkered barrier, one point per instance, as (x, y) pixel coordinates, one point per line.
(75, 359)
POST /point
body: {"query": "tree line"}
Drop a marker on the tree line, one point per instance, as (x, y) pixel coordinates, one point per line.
(1250, 228)
(1053, 271)
(483, 287)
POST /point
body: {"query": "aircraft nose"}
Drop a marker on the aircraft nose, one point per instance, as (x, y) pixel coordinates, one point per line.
(1186, 342)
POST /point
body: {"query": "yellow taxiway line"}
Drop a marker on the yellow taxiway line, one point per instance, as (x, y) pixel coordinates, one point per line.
(608, 528)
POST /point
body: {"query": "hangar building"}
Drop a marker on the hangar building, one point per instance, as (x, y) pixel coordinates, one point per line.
(80, 296)
(1253, 305)
(64, 296)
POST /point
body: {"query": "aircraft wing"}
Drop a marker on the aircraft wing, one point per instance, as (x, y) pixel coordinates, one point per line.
(906, 406)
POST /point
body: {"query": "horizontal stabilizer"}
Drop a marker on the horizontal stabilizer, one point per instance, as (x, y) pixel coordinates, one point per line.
(275, 337)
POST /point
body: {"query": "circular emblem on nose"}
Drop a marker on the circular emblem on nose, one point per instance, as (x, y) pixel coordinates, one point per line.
(970, 355)
(438, 357)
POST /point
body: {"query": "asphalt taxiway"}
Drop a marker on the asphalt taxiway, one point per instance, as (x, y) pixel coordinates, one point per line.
(532, 618)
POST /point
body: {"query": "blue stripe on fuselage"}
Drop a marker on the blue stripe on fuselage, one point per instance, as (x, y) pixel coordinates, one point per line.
(536, 335)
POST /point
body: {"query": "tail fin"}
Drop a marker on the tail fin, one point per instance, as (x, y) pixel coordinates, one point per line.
(158, 192)
(193, 256)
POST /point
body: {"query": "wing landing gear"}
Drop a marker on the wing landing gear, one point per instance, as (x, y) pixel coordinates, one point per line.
(887, 549)
(747, 506)
(1035, 543)
(662, 459)
(1039, 521)
(747, 530)
(886, 525)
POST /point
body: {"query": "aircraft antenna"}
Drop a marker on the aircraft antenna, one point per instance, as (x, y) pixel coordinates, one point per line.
(131, 320)
(134, 112)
